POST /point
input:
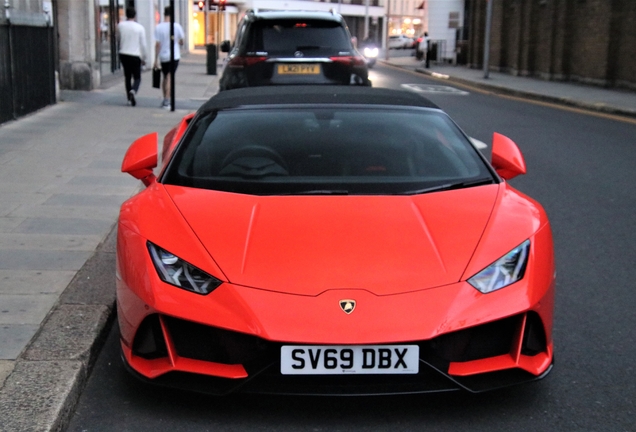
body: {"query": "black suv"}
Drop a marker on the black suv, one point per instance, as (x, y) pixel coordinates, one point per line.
(292, 47)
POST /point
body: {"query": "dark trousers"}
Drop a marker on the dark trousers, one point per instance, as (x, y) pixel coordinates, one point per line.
(132, 69)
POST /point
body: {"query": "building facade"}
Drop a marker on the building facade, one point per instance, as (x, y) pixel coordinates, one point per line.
(209, 26)
(589, 41)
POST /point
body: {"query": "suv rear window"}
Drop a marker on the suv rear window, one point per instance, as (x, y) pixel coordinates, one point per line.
(285, 37)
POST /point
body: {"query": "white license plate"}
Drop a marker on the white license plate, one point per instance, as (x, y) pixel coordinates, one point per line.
(349, 359)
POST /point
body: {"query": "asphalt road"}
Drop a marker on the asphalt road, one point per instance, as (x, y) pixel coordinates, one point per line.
(581, 168)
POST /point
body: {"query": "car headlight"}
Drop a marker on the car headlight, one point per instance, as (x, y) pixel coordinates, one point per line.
(370, 52)
(505, 271)
(175, 271)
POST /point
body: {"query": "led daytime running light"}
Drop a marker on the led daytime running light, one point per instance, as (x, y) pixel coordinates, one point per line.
(505, 271)
(175, 271)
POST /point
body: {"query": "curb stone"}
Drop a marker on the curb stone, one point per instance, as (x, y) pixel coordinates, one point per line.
(603, 108)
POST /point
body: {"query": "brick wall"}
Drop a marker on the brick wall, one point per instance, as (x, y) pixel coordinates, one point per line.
(591, 41)
(625, 75)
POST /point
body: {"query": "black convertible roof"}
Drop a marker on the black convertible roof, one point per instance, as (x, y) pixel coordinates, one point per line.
(286, 95)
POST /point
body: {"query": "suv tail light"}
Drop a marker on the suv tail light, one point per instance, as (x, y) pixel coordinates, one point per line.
(243, 61)
(349, 60)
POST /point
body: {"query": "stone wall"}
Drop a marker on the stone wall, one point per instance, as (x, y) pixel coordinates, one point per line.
(77, 44)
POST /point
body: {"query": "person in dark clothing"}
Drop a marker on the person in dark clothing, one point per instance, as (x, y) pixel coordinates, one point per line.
(131, 37)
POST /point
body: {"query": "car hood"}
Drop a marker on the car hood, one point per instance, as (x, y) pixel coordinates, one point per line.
(309, 244)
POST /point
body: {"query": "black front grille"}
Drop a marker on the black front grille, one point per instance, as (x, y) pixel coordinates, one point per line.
(261, 360)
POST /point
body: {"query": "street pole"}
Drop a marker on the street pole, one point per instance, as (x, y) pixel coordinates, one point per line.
(487, 38)
(218, 30)
(366, 20)
(388, 18)
(172, 89)
(205, 22)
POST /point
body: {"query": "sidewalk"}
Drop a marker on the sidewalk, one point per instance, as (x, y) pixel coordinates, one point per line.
(61, 188)
(610, 101)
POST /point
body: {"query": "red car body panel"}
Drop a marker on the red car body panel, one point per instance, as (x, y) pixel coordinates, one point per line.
(306, 245)
(407, 305)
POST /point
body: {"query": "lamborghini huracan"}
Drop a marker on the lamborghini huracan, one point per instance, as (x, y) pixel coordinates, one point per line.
(331, 241)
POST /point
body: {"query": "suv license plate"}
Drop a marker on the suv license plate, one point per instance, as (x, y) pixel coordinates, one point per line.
(349, 359)
(298, 69)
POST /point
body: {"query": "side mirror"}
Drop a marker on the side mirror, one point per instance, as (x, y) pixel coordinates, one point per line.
(506, 157)
(225, 46)
(141, 158)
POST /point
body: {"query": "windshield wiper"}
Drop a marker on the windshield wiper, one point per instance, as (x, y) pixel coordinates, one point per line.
(449, 186)
(321, 192)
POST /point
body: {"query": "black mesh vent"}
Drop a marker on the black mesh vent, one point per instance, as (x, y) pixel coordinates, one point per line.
(488, 340)
(201, 342)
(149, 342)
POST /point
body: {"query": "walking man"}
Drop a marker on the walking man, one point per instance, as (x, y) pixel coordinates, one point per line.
(162, 52)
(131, 37)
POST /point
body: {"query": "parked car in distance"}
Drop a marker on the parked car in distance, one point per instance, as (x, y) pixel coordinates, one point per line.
(292, 47)
(400, 42)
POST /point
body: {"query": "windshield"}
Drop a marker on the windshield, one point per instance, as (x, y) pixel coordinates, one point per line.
(326, 150)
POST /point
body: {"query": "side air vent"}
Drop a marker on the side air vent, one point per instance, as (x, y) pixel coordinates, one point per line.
(149, 342)
(534, 339)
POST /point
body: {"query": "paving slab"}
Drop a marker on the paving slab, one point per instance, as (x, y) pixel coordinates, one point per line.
(48, 242)
(34, 259)
(25, 309)
(13, 339)
(34, 282)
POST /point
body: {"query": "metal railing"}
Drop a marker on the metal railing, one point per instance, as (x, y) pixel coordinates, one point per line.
(27, 69)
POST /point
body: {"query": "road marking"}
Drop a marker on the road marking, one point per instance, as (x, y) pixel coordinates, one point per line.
(435, 89)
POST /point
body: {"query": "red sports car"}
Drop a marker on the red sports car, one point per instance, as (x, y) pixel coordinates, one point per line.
(340, 240)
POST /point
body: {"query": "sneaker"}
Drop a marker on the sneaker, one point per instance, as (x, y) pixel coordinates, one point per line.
(165, 104)
(131, 97)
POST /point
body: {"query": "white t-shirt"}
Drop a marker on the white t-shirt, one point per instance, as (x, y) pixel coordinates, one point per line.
(162, 35)
(132, 39)
(424, 44)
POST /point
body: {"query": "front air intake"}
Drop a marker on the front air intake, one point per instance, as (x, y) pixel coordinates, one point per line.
(149, 342)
